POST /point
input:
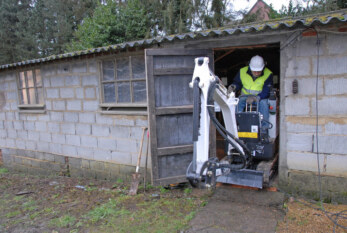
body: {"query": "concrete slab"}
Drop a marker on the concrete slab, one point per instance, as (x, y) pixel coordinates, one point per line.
(239, 210)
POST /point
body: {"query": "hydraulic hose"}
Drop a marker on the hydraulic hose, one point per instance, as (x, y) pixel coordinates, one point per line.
(196, 109)
(219, 127)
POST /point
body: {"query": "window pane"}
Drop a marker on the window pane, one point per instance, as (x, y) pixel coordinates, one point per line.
(23, 96)
(21, 79)
(40, 96)
(108, 70)
(38, 78)
(109, 93)
(123, 92)
(123, 69)
(138, 66)
(30, 78)
(139, 90)
(32, 98)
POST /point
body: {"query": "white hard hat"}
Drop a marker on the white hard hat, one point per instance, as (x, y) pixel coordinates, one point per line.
(257, 63)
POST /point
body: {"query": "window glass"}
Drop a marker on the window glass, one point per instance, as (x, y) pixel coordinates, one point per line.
(30, 78)
(40, 96)
(32, 97)
(23, 96)
(123, 92)
(22, 80)
(108, 70)
(123, 69)
(139, 89)
(138, 67)
(109, 93)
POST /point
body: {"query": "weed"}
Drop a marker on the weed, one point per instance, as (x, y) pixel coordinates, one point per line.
(187, 191)
(29, 205)
(34, 215)
(13, 214)
(3, 170)
(120, 181)
(190, 216)
(55, 196)
(90, 189)
(163, 190)
(63, 221)
(18, 198)
(204, 203)
(102, 211)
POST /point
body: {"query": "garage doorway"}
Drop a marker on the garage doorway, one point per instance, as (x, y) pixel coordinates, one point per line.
(227, 63)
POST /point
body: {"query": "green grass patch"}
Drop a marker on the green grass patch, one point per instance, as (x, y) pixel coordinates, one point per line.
(3, 170)
(13, 214)
(63, 221)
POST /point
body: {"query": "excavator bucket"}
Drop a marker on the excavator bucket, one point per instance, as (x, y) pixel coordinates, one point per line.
(244, 177)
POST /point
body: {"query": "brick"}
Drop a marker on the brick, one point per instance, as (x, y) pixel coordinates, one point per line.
(53, 127)
(136, 133)
(127, 145)
(22, 134)
(124, 121)
(306, 86)
(8, 124)
(57, 82)
(48, 70)
(43, 117)
(52, 93)
(104, 120)
(55, 148)
(58, 105)
(41, 126)
(300, 142)
(298, 67)
(66, 93)
(58, 138)
(11, 133)
(304, 161)
(73, 140)
(80, 67)
(46, 82)
(102, 155)
(71, 117)
(3, 134)
(9, 116)
(107, 143)
(331, 144)
(11, 95)
(86, 153)
(336, 44)
(302, 128)
(336, 86)
(100, 130)
(332, 128)
(297, 106)
(32, 118)
(30, 145)
(328, 106)
(90, 105)
(74, 105)
(89, 141)
(336, 165)
(121, 157)
(63, 68)
(72, 81)
(68, 128)
(87, 117)
(79, 93)
(48, 157)
(120, 131)
(56, 116)
(75, 162)
(85, 163)
(141, 122)
(97, 165)
(83, 129)
(90, 93)
(20, 144)
(90, 80)
(43, 146)
(33, 135)
(332, 65)
(69, 150)
(45, 137)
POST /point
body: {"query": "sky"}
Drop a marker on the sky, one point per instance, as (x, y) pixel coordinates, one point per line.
(277, 4)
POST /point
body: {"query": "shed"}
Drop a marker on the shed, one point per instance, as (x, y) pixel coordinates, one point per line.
(81, 113)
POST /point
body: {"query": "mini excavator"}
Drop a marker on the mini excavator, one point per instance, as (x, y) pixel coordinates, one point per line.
(250, 141)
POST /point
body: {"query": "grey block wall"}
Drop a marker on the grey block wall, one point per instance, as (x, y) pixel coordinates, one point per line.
(298, 143)
(72, 125)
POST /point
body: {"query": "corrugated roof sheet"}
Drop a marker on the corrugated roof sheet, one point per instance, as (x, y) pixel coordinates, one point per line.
(257, 27)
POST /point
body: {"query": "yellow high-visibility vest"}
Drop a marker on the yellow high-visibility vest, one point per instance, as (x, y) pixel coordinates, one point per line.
(250, 87)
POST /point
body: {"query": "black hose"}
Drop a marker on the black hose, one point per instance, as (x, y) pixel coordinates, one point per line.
(196, 109)
(219, 127)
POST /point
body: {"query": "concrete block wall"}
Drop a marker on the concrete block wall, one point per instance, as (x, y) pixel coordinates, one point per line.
(298, 111)
(72, 125)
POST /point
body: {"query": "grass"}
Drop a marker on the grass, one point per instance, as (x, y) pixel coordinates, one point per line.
(63, 221)
(3, 170)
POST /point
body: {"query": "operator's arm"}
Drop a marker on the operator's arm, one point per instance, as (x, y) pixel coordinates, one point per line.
(237, 82)
(265, 93)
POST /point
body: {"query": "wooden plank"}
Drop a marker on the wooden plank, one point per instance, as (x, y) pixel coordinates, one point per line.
(172, 71)
(173, 52)
(175, 150)
(174, 110)
(170, 180)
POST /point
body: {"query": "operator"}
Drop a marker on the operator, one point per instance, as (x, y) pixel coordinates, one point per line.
(254, 81)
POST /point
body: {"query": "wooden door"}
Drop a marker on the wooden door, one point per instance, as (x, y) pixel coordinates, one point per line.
(170, 111)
